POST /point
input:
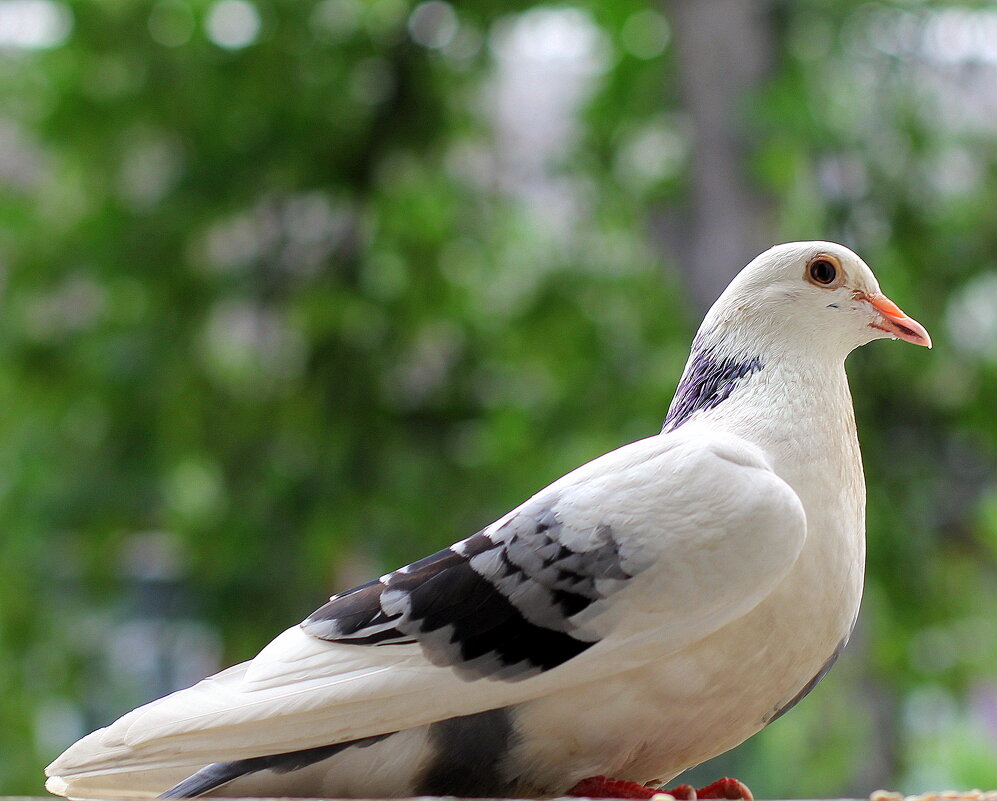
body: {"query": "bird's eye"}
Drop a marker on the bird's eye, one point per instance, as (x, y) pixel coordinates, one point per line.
(822, 271)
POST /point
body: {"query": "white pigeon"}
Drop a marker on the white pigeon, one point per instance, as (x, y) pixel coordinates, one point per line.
(649, 610)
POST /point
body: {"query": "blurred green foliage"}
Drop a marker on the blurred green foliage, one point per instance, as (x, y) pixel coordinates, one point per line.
(274, 298)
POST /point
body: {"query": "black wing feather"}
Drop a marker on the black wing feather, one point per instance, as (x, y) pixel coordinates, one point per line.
(499, 604)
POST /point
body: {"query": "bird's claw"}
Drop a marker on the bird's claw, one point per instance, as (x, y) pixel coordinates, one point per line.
(604, 787)
(721, 788)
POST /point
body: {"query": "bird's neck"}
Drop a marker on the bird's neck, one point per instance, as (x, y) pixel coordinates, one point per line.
(798, 409)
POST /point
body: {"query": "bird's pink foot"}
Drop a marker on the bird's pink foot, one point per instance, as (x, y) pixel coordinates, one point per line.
(604, 787)
(723, 788)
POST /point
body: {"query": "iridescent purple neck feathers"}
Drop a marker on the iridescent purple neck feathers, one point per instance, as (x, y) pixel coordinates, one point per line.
(707, 382)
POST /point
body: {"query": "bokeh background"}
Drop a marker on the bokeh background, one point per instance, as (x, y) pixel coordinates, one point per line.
(294, 292)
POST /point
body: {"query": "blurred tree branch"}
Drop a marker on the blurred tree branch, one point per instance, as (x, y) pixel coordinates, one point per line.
(726, 50)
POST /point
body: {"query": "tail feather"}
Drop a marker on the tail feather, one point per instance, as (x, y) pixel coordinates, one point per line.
(125, 784)
(206, 779)
(219, 773)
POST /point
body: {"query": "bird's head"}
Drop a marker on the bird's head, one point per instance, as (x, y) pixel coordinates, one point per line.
(819, 293)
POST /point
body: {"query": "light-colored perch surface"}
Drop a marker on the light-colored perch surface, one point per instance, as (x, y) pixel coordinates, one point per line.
(879, 795)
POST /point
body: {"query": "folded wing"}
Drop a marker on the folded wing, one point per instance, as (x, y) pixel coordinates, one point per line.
(630, 557)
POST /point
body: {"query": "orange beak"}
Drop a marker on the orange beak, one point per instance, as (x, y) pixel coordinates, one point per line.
(896, 323)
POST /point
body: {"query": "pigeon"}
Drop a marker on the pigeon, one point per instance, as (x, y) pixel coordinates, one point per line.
(649, 610)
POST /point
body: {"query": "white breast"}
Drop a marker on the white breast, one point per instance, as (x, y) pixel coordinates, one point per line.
(690, 706)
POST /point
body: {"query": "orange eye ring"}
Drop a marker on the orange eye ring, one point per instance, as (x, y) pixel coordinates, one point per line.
(824, 270)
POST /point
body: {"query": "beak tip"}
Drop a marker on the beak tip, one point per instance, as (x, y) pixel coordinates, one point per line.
(899, 324)
(922, 333)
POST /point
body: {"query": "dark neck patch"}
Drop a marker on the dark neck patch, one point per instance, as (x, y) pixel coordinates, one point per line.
(708, 382)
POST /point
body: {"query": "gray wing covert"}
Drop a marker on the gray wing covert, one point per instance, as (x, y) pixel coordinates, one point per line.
(505, 603)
